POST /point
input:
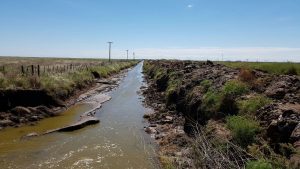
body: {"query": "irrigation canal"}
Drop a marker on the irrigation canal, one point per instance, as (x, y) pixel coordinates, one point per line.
(118, 141)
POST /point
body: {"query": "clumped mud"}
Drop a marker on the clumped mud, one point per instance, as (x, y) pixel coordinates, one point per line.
(185, 94)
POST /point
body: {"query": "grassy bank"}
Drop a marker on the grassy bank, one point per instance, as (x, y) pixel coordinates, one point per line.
(60, 77)
(288, 68)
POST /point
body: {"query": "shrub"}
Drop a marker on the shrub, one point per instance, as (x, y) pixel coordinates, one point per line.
(234, 88)
(34, 82)
(259, 164)
(20, 82)
(206, 84)
(211, 103)
(246, 75)
(252, 104)
(3, 81)
(291, 71)
(243, 129)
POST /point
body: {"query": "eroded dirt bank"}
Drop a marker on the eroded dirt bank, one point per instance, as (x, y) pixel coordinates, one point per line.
(20, 107)
(210, 116)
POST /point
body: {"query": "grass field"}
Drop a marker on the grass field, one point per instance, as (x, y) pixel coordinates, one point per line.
(59, 76)
(270, 67)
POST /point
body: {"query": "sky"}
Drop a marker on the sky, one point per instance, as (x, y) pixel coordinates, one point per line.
(253, 30)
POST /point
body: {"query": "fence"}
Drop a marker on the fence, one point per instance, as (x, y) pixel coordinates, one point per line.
(39, 70)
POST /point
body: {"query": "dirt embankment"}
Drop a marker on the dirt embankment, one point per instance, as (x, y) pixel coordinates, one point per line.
(257, 111)
(27, 106)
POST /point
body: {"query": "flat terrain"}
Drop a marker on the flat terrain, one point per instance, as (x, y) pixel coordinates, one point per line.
(288, 68)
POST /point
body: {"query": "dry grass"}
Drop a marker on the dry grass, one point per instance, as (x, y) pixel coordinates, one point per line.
(213, 152)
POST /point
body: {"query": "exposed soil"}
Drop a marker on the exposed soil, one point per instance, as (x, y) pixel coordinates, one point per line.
(177, 92)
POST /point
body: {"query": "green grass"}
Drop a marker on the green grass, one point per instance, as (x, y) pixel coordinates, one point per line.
(211, 103)
(251, 105)
(271, 67)
(206, 84)
(259, 164)
(243, 129)
(234, 88)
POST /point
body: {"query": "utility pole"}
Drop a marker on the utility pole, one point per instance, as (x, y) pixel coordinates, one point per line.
(133, 56)
(109, 52)
(127, 54)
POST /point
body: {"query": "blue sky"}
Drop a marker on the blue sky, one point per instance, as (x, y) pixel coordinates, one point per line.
(182, 29)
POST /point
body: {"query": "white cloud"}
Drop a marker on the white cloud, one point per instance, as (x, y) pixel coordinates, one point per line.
(190, 6)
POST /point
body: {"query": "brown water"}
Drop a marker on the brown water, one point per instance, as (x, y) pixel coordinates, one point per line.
(117, 142)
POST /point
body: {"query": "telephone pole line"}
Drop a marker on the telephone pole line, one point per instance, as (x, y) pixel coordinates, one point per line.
(109, 52)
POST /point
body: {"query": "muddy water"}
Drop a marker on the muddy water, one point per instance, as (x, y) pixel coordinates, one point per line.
(118, 141)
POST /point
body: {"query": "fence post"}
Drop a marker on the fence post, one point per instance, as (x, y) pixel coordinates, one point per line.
(32, 70)
(38, 70)
(22, 70)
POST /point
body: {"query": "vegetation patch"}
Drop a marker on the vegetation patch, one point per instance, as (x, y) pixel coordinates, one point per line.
(234, 88)
(288, 68)
(243, 129)
(206, 84)
(251, 105)
(211, 103)
(259, 164)
(59, 84)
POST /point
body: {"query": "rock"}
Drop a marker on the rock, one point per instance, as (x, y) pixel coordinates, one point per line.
(274, 92)
(150, 130)
(208, 62)
(20, 111)
(295, 136)
(169, 118)
(83, 122)
(280, 131)
(2, 115)
(45, 110)
(29, 135)
(153, 125)
(33, 118)
(32, 134)
(146, 116)
(159, 136)
(15, 119)
(4, 123)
